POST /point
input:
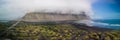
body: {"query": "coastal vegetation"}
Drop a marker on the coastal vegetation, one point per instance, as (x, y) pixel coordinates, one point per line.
(52, 31)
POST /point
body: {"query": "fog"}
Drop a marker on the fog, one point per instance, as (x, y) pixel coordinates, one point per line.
(14, 9)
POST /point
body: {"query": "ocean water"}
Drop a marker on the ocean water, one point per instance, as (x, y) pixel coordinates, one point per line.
(108, 23)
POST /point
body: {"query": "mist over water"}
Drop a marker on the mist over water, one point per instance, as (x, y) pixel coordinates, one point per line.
(14, 9)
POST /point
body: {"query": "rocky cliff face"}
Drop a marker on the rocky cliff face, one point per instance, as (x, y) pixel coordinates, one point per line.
(40, 16)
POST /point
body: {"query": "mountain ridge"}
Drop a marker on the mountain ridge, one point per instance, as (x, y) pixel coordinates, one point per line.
(44, 16)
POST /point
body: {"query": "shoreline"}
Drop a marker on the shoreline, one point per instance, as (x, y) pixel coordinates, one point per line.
(81, 26)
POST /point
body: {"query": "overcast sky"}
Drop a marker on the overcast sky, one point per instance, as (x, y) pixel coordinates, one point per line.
(11, 9)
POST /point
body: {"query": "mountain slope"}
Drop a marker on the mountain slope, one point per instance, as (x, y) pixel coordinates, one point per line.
(44, 16)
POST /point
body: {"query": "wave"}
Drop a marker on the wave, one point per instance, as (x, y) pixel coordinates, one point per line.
(105, 24)
(93, 23)
(115, 25)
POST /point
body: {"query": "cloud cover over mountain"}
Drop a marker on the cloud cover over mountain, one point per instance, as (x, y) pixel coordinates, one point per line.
(12, 9)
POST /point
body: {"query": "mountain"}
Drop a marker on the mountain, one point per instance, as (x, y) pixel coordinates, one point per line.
(47, 16)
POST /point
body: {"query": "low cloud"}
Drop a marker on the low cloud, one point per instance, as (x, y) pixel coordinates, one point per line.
(12, 9)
